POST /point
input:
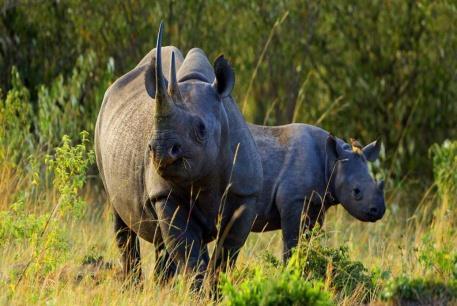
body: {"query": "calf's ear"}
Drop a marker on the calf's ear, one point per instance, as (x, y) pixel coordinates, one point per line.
(225, 77)
(371, 151)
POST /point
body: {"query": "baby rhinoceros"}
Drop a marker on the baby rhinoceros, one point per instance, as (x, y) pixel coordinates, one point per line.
(307, 170)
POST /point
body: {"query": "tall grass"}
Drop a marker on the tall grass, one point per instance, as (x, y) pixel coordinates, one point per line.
(75, 260)
(57, 243)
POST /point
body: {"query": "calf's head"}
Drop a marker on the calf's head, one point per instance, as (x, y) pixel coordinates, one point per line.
(189, 122)
(359, 193)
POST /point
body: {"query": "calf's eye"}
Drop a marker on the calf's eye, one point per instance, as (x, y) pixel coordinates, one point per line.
(357, 193)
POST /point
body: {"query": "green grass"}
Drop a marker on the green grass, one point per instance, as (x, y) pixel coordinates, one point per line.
(57, 242)
(389, 249)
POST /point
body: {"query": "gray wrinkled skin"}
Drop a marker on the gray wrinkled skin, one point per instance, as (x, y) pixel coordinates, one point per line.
(165, 148)
(307, 170)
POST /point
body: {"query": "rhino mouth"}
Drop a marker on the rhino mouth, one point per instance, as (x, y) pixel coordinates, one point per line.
(161, 167)
(177, 169)
(372, 218)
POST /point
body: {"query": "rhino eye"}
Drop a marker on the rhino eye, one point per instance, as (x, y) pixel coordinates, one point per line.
(200, 131)
(357, 193)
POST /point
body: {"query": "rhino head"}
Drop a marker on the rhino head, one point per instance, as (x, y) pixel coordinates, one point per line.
(353, 186)
(190, 126)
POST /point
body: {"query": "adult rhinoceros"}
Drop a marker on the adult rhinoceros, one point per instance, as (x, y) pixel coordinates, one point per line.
(177, 160)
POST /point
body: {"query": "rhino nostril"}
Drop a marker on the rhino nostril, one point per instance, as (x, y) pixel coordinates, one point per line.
(175, 150)
(373, 210)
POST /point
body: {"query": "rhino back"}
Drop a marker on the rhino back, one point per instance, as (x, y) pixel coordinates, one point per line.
(122, 132)
(247, 171)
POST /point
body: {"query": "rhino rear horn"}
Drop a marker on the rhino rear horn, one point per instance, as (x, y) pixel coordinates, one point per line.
(225, 77)
(173, 89)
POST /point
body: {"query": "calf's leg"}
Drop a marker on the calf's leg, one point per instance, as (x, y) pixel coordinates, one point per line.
(296, 217)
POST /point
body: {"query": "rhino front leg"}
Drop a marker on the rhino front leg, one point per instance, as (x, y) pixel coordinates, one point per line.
(164, 268)
(297, 217)
(183, 239)
(290, 225)
(129, 245)
(234, 231)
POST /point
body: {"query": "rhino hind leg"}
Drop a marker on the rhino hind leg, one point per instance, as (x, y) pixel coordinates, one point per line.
(129, 245)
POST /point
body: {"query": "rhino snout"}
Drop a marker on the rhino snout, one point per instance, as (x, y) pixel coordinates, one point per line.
(166, 154)
(377, 211)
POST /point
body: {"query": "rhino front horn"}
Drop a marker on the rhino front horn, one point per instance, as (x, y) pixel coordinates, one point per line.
(163, 105)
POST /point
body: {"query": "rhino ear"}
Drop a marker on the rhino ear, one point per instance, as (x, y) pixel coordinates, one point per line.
(150, 78)
(371, 151)
(332, 147)
(225, 77)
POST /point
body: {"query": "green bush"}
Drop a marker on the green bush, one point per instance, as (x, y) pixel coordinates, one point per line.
(61, 109)
(439, 262)
(284, 288)
(421, 291)
(46, 233)
(319, 262)
(444, 159)
(69, 166)
(15, 122)
(17, 224)
(311, 265)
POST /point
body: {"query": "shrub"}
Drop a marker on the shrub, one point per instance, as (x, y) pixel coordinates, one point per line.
(45, 234)
(440, 262)
(319, 262)
(444, 160)
(17, 224)
(286, 288)
(61, 110)
(402, 290)
(15, 121)
(70, 165)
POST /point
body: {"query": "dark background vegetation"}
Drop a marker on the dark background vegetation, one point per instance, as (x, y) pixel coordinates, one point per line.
(362, 69)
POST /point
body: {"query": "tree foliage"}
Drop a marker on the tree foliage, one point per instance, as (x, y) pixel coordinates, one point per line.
(360, 69)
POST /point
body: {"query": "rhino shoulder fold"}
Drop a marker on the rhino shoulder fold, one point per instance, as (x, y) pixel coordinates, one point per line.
(247, 171)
